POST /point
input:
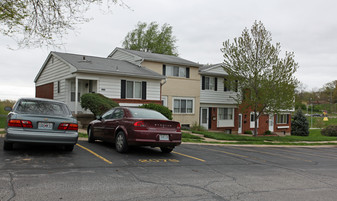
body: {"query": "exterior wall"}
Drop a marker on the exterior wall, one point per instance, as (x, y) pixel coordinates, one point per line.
(110, 86)
(217, 97)
(178, 87)
(44, 91)
(214, 121)
(55, 70)
(263, 125)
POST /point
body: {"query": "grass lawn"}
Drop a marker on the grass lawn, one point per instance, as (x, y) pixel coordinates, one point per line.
(2, 122)
(315, 135)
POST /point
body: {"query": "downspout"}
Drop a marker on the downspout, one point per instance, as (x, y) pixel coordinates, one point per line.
(76, 94)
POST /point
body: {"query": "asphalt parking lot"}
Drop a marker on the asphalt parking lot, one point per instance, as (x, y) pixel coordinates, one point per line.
(191, 172)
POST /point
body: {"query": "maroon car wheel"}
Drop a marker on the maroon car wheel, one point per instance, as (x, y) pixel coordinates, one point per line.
(166, 149)
(121, 144)
(91, 138)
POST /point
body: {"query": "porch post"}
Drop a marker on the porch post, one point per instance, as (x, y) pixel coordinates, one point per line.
(76, 94)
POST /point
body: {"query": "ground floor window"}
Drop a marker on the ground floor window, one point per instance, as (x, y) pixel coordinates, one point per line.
(183, 105)
(133, 89)
(225, 113)
(282, 119)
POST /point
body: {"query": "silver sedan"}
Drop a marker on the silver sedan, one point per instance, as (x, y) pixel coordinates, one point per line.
(36, 120)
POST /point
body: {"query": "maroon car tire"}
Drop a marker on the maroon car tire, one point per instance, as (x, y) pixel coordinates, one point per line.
(166, 149)
(121, 143)
(91, 138)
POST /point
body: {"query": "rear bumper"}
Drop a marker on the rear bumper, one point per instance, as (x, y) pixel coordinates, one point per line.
(24, 136)
(146, 138)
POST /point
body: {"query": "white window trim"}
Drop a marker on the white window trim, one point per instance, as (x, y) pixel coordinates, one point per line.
(183, 98)
(277, 118)
(179, 67)
(134, 89)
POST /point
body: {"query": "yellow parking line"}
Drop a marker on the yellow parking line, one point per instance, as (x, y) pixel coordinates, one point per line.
(189, 156)
(101, 157)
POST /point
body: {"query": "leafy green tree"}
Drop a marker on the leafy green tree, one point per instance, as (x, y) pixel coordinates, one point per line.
(149, 38)
(43, 22)
(266, 80)
(299, 124)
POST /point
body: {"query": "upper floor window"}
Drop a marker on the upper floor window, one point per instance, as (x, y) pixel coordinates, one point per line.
(176, 71)
(231, 85)
(209, 83)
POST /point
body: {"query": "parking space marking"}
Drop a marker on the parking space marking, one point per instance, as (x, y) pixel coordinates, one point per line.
(189, 156)
(95, 154)
(274, 154)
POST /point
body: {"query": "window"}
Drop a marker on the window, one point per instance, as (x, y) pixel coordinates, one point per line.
(118, 114)
(231, 85)
(183, 106)
(209, 83)
(72, 93)
(133, 89)
(176, 71)
(282, 119)
(225, 114)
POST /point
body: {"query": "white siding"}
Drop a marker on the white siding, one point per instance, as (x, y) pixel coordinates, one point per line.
(54, 71)
(110, 86)
(126, 57)
(217, 70)
(217, 97)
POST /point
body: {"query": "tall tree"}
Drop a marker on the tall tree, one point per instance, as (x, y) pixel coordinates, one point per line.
(34, 23)
(267, 81)
(150, 38)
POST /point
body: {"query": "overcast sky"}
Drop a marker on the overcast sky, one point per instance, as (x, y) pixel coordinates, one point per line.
(306, 27)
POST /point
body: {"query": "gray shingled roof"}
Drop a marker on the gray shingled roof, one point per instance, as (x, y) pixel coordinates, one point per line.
(92, 64)
(162, 58)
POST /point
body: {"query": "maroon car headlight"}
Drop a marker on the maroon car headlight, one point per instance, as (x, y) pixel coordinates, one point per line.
(139, 125)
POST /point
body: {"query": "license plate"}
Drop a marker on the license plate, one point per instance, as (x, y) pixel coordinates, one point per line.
(163, 137)
(45, 125)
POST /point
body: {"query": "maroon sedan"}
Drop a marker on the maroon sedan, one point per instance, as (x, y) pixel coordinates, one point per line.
(126, 127)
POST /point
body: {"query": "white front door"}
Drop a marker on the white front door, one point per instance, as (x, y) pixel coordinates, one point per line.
(271, 122)
(204, 118)
(240, 124)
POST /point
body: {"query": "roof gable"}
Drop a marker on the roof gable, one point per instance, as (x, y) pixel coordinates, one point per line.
(161, 58)
(215, 70)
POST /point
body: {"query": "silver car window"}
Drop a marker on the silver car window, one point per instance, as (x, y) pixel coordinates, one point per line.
(42, 107)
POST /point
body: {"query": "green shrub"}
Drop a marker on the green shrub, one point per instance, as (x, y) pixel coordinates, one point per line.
(248, 132)
(268, 132)
(97, 103)
(299, 124)
(197, 127)
(159, 108)
(329, 131)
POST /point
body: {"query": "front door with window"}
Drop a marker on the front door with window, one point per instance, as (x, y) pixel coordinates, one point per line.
(204, 117)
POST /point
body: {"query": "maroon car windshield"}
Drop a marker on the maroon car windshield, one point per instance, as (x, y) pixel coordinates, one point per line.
(146, 114)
